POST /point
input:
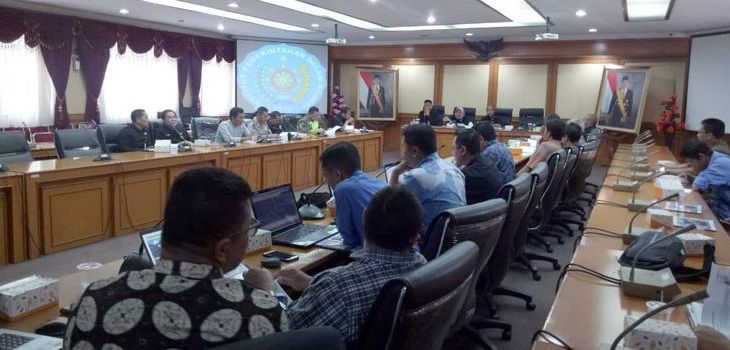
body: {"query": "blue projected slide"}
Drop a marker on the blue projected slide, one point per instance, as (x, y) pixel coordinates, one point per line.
(288, 78)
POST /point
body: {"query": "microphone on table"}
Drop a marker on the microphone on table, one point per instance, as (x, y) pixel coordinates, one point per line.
(102, 156)
(683, 300)
(629, 236)
(386, 167)
(637, 165)
(633, 184)
(650, 284)
(633, 204)
(182, 146)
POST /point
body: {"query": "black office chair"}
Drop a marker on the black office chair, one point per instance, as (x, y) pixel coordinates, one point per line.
(289, 122)
(187, 114)
(503, 116)
(108, 134)
(205, 128)
(14, 147)
(437, 115)
(470, 112)
(314, 338)
(76, 143)
(553, 225)
(531, 116)
(556, 165)
(416, 310)
(520, 254)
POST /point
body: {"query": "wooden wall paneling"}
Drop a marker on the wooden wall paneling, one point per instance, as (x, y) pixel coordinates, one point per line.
(276, 169)
(552, 87)
(438, 84)
(11, 187)
(369, 154)
(139, 200)
(249, 168)
(5, 236)
(62, 204)
(444, 140)
(493, 83)
(305, 163)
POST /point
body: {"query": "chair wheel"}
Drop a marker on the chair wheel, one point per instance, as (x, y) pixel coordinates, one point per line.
(536, 276)
(556, 266)
(531, 306)
(507, 335)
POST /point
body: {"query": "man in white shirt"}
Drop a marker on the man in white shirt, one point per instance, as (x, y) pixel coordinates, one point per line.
(232, 128)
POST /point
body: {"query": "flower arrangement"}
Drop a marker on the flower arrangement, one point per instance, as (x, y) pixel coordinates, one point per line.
(338, 101)
(669, 121)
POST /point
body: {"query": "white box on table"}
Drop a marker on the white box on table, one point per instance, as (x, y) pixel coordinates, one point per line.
(659, 335)
(26, 295)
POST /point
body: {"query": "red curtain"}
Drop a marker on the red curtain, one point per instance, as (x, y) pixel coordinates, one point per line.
(55, 35)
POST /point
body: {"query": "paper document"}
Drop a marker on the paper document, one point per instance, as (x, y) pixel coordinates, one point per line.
(239, 273)
(716, 309)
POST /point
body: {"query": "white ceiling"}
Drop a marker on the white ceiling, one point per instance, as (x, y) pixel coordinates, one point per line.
(687, 16)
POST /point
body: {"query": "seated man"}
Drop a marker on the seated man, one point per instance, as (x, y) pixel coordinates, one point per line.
(712, 168)
(171, 129)
(438, 184)
(275, 122)
(573, 135)
(232, 129)
(260, 126)
(552, 135)
(482, 179)
(136, 136)
(711, 133)
(353, 190)
(185, 302)
(489, 117)
(311, 124)
(342, 297)
(424, 116)
(496, 151)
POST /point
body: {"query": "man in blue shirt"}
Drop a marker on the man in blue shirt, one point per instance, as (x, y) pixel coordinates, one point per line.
(438, 184)
(496, 151)
(712, 180)
(353, 190)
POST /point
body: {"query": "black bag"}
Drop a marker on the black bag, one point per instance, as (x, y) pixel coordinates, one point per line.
(318, 199)
(667, 253)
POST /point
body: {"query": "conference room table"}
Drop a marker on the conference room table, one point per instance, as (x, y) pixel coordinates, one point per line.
(71, 286)
(127, 194)
(43, 150)
(588, 311)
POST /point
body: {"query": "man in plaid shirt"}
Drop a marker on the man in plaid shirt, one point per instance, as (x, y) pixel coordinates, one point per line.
(342, 297)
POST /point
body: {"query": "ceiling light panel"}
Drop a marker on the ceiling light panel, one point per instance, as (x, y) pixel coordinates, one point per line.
(516, 10)
(647, 10)
(300, 6)
(182, 5)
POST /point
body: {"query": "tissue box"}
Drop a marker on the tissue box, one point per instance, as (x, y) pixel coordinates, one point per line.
(659, 217)
(260, 241)
(694, 243)
(202, 143)
(24, 296)
(660, 335)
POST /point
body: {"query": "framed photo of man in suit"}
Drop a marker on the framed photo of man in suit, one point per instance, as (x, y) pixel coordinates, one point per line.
(376, 94)
(621, 98)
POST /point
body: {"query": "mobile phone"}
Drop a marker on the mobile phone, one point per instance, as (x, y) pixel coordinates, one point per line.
(285, 257)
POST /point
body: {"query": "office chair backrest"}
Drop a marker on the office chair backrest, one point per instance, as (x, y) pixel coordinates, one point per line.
(437, 115)
(517, 195)
(470, 111)
(14, 147)
(76, 143)
(583, 170)
(416, 310)
(553, 187)
(314, 338)
(205, 128)
(503, 116)
(187, 114)
(108, 134)
(531, 115)
(571, 164)
(539, 176)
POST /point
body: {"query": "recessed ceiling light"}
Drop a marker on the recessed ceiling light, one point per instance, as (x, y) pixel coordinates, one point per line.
(220, 27)
(371, 37)
(469, 34)
(373, 0)
(647, 10)
(207, 10)
(431, 19)
(233, 5)
(580, 13)
(124, 11)
(315, 25)
(593, 30)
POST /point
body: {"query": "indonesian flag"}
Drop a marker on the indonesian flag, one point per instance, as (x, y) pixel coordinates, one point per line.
(608, 91)
(612, 81)
(363, 82)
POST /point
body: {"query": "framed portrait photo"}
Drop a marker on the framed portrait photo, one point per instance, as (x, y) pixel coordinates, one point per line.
(621, 98)
(376, 94)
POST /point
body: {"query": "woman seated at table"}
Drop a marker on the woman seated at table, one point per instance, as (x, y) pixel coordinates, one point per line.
(459, 117)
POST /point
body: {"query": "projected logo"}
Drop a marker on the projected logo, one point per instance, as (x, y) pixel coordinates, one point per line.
(281, 77)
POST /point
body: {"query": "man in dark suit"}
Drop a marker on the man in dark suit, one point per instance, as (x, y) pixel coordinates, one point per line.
(621, 103)
(376, 98)
(171, 129)
(136, 136)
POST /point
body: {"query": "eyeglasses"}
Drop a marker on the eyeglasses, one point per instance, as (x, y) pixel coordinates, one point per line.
(255, 224)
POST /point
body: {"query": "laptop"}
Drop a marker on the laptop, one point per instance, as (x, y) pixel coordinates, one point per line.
(14, 340)
(152, 243)
(276, 209)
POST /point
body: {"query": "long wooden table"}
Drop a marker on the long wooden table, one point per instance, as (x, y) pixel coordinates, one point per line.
(586, 311)
(70, 286)
(44, 150)
(70, 202)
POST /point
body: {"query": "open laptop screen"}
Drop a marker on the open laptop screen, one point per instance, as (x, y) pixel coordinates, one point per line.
(152, 241)
(276, 208)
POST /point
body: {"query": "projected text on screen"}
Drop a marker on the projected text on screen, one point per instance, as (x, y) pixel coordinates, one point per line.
(281, 77)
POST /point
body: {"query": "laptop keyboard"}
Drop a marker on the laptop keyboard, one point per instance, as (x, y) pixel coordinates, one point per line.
(306, 232)
(12, 341)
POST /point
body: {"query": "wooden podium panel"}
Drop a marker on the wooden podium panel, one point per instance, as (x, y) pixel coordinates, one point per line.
(74, 213)
(139, 200)
(306, 162)
(249, 168)
(371, 154)
(444, 140)
(4, 229)
(276, 169)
